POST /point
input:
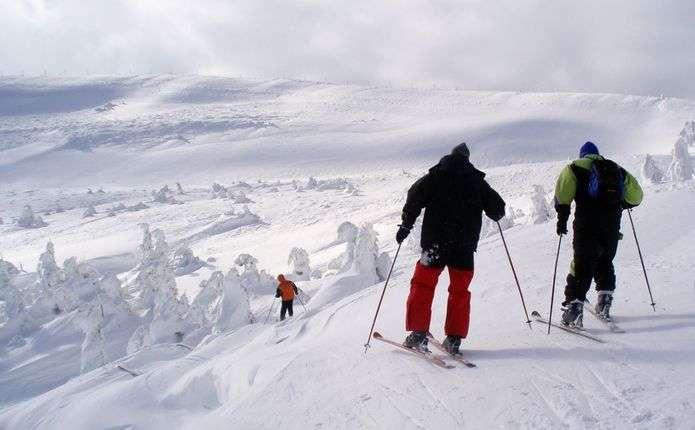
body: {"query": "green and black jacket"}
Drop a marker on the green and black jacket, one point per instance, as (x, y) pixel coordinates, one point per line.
(572, 185)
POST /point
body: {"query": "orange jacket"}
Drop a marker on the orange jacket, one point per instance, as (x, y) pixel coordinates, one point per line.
(286, 289)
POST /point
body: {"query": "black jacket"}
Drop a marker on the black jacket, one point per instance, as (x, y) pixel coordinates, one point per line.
(454, 195)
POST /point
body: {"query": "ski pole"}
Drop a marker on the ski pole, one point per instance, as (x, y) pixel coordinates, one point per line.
(272, 304)
(378, 307)
(300, 301)
(552, 294)
(523, 303)
(641, 259)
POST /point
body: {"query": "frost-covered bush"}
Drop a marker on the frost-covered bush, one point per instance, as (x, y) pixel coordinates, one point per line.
(347, 232)
(218, 191)
(650, 171)
(233, 310)
(688, 133)
(253, 280)
(298, 261)
(361, 266)
(49, 274)
(222, 304)
(29, 219)
(681, 168)
(184, 262)
(341, 184)
(490, 228)
(539, 211)
(362, 256)
(163, 195)
(179, 189)
(11, 303)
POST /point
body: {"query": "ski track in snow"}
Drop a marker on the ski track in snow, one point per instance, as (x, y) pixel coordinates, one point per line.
(311, 371)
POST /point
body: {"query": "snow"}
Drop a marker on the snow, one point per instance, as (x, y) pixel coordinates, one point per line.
(163, 326)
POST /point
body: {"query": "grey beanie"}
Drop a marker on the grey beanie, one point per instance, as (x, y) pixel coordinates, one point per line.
(461, 149)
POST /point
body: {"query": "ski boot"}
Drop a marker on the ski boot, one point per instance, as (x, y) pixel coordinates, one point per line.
(417, 340)
(452, 344)
(603, 305)
(573, 313)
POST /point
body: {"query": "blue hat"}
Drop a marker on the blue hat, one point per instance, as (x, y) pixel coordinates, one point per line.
(588, 148)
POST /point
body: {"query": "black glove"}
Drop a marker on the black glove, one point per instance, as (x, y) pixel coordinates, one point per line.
(563, 214)
(402, 233)
(561, 226)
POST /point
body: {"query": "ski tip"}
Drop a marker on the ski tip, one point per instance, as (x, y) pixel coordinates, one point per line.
(377, 335)
(535, 314)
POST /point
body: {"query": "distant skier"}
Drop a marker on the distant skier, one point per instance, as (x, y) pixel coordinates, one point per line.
(287, 291)
(601, 190)
(454, 195)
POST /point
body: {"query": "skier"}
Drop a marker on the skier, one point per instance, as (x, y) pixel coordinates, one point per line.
(454, 194)
(287, 291)
(601, 189)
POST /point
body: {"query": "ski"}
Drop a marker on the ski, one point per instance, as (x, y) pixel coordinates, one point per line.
(537, 316)
(458, 357)
(128, 371)
(426, 355)
(612, 326)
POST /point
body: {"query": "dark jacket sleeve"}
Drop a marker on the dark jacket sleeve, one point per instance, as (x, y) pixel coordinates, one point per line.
(493, 205)
(418, 195)
(296, 290)
(278, 293)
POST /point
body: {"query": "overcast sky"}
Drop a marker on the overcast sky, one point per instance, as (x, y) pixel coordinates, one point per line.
(631, 46)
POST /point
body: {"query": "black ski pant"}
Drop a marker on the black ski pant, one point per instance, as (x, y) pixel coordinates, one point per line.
(594, 251)
(286, 308)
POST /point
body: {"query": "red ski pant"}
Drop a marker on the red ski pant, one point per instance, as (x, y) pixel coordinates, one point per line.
(419, 307)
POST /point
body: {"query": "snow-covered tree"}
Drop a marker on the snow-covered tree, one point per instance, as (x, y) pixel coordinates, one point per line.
(184, 262)
(681, 168)
(13, 305)
(347, 232)
(154, 283)
(298, 260)
(253, 280)
(688, 133)
(233, 310)
(367, 259)
(49, 274)
(362, 256)
(650, 171)
(218, 191)
(205, 303)
(179, 189)
(29, 219)
(540, 209)
(89, 212)
(93, 345)
(163, 195)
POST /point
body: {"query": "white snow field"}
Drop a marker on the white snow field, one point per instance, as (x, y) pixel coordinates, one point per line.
(125, 336)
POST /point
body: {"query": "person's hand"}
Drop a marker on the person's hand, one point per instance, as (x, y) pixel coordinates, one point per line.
(561, 226)
(402, 233)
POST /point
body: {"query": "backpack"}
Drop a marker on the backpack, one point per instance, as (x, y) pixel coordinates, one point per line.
(606, 183)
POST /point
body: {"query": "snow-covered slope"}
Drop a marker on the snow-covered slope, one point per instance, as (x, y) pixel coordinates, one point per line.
(308, 157)
(121, 131)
